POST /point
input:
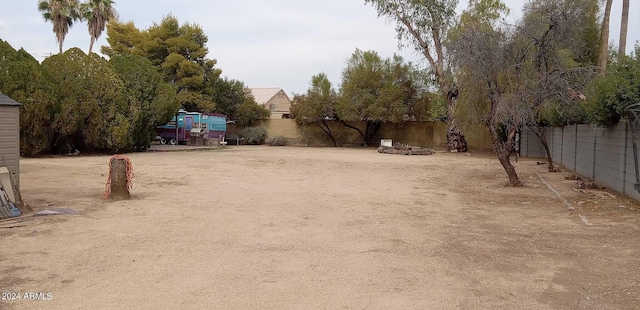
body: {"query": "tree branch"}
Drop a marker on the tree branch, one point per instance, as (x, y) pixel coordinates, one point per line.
(416, 35)
(353, 127)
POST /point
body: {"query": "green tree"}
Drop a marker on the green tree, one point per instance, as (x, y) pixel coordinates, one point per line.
(234, 99)
(19, 71)
(228, 95)
(152, 102)
(317, 106)
(21, 79)
(62, 14)
(424, 25)
(179, 51)
(422, 103)
(249, 111)
(590, 37)
(123, 39)
(97, 13)
(86, 107)
(375, 90)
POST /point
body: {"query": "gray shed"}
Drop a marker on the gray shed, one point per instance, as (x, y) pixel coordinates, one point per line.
(10, 136)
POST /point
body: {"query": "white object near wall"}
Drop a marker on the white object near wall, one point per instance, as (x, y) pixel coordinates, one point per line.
(386, 142)
(5, 180)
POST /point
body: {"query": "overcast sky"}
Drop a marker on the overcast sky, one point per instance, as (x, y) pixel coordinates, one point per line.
(276, 43)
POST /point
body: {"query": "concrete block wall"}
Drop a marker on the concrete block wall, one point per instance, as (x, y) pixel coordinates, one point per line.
(630, 178)
(586, 143)
(610, 157)
(530, 145)
(556, 143)
(569, 151)
(425, 134)
(603, 154)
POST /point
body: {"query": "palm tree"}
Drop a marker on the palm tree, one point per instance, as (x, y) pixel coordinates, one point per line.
(62, 14)
(604, 39)
(622, 49)
(98, 13)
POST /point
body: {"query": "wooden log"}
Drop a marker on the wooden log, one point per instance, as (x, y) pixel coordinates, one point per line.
(405, 150)
(118, 175)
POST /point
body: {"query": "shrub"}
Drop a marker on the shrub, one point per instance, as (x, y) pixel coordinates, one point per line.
(612, 93)
(277, 141)
(254, 135)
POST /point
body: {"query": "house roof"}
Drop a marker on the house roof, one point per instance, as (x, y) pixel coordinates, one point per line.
(264, 95)
(4, 100)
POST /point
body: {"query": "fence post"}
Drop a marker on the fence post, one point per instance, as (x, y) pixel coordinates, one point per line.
(575, 152)
(624, 170)
(595, 145)
(551, 147)
(562, 146)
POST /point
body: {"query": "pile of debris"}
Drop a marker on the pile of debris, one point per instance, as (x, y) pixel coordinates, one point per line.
(405, 150)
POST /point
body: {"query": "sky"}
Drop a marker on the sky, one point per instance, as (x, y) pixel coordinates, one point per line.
(272, 43)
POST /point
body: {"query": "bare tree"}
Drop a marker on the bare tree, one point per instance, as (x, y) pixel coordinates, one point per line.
(424, 24)
(507, 74)
(548, 40)
(485, 64)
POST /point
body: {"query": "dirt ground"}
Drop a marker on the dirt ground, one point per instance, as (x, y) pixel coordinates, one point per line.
(317, 228)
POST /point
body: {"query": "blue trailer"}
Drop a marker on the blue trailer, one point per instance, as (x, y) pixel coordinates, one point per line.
(211, 126)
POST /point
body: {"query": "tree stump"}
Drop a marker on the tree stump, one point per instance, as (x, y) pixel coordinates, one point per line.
(118, 176)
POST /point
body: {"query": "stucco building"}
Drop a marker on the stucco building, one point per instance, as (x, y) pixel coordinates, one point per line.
(274, 99)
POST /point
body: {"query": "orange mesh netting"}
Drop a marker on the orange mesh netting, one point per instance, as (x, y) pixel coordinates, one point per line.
(107, 189)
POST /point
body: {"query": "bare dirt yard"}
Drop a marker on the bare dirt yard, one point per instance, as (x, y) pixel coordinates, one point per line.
(317, 228)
